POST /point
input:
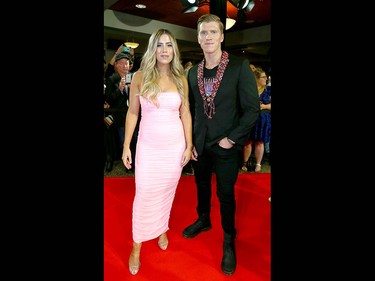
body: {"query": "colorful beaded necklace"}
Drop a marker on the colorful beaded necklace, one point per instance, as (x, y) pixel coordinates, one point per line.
(208, 100)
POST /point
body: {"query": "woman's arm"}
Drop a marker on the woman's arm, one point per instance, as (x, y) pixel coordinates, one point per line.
(131, 118)
(185, 116)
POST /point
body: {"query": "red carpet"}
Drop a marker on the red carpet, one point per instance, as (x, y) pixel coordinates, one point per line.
(193, 259)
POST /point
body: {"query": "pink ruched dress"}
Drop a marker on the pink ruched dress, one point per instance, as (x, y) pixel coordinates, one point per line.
(160, 147)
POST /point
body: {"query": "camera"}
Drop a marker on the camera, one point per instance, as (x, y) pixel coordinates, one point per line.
(128, 78)
(126, 49)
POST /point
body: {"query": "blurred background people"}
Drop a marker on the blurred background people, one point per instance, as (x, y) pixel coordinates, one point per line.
(261, 132)
(117, 96)
(109, 133)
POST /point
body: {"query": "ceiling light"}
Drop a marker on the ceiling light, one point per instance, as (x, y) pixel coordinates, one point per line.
(193, 5)
(140, 6)
(242, 4)
(247, 5)
(229, 23)
(189, 2)
(250, 6)
(132, 45)
(190, 9)
(236, 3)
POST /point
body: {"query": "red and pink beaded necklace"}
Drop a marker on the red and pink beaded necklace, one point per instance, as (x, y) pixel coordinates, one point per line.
(208, 100)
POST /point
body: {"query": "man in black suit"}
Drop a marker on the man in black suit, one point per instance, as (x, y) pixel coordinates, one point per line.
(117, 95)
(225, 105)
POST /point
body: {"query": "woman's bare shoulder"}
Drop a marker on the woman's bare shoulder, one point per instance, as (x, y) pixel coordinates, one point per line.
(138, 73)
(137, 77)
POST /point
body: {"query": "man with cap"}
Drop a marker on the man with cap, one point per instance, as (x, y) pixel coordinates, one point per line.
(117, 96)
(110, 69)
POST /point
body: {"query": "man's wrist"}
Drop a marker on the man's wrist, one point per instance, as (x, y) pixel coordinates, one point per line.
(230, 141)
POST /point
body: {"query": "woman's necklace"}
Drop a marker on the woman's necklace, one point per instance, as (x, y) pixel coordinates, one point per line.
(208, 99)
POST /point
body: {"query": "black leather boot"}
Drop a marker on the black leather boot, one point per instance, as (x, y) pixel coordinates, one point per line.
(203, 223)
(228, 262)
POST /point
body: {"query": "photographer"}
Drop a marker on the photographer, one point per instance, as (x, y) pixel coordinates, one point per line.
(110, 68)
(117, 93)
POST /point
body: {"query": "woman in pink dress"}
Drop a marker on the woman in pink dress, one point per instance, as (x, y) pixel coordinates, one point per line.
(159, 92)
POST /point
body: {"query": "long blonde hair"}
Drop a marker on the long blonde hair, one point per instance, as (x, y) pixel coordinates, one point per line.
(150, 88)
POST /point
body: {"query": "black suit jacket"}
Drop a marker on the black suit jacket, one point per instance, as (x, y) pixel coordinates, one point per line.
(236, 102)
(116, 99)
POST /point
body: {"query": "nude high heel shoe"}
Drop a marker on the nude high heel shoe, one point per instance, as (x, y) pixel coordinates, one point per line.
(134, 262)
(163, 241)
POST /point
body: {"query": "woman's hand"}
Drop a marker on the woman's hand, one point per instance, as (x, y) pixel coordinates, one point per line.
(127, 158)
(186, 157)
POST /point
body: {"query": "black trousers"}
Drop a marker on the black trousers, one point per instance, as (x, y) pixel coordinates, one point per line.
(109, 144)
(224, 163)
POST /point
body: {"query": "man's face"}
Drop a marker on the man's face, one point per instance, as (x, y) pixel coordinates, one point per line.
(210, 37)
(122, 66)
